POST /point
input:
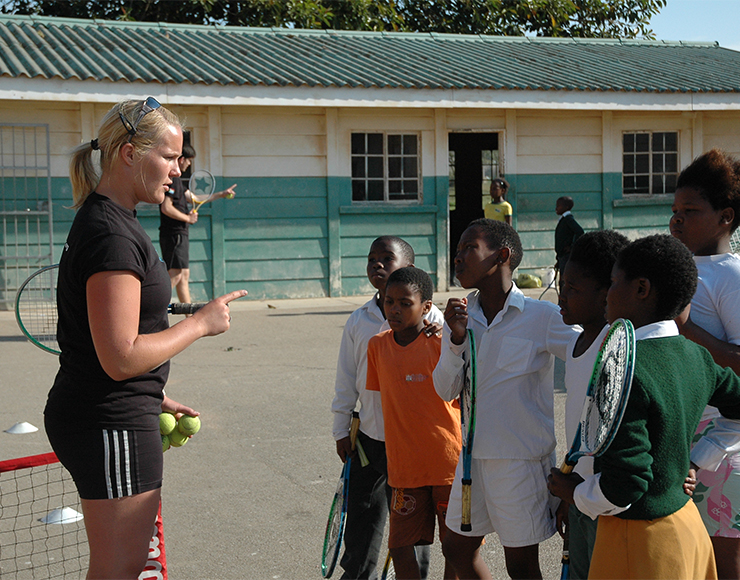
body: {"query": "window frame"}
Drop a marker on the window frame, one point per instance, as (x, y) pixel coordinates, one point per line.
(387, 178)
(650, 153)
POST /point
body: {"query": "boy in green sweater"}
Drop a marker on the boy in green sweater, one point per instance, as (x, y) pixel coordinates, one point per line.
(647, 527)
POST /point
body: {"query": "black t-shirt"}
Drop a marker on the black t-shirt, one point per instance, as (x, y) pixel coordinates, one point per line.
(167, 225)
(105, 237)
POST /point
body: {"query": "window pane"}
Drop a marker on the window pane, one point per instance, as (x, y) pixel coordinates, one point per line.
(394, 167)
(658, 184)
(411, 186)
(358, 190)
(671, 163)
(628, 165)
(628, 142)
(358, 167)
(658, 142)
(375, 143)
(628, 183)
(394, 145)
(642, 184)
(642, 163)
(671, 141)
(642, 142)
(670, 183)
(409, 145)
(375, 167)
(358, 143)
(395, 186)
(658, 163)
(409, 167)
(375, 190)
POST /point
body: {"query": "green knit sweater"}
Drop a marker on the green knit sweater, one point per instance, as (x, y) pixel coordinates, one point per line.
(648, 460)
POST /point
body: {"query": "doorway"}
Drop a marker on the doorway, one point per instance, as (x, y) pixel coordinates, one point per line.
(474, 161)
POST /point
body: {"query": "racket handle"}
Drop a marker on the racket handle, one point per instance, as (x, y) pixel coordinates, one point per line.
(566, 467)
(354, 428)
(185, 307)
(465, 523)
(364, 461)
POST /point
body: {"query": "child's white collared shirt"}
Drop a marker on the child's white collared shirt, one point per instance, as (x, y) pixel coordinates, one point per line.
(515, 375)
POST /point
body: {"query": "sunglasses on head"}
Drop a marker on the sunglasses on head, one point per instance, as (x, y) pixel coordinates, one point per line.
(151, 104)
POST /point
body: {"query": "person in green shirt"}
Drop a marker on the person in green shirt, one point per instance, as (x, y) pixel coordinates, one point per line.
(647, 526)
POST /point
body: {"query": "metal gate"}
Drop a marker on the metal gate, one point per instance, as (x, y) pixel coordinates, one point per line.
(26, 242)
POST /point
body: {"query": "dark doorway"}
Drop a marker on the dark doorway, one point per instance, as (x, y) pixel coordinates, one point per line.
(474, 162)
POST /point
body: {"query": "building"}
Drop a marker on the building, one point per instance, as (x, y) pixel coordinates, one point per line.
(335, 138)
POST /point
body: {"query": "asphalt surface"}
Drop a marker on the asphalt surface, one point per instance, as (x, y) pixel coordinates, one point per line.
(248, 496)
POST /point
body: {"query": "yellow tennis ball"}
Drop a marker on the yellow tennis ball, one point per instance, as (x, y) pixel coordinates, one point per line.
(188, 425)
(177, 439)
(230, 196)
(167, 423)
(165, 443)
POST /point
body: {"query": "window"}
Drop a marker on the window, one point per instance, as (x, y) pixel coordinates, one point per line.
(385, 167)
(649, 162)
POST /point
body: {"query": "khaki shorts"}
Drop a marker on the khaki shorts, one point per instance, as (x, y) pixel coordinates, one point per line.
(509, 497)
(413, 512)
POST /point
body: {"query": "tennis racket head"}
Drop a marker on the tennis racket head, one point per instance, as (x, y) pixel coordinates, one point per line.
(202, 182)
(36, 308)
(608, 392)
(335, 524)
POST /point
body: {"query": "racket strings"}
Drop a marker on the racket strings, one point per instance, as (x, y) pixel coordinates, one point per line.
(37, 308)
(604, 405)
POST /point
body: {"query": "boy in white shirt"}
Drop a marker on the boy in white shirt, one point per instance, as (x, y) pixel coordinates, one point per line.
(515, 438)
(369, 494)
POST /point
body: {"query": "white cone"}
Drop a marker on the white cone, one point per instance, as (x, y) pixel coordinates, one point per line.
(21, 428)
(62, 516)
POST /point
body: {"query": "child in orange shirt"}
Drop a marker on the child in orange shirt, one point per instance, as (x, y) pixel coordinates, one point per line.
(422, 431)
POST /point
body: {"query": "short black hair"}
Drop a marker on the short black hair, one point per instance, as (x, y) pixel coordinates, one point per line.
(502, 181)
(716, 176)
(670, 267)
(501, 235)
(405, 249)
(596, 252)
(188, 151)
(416, 278)
(567, 202)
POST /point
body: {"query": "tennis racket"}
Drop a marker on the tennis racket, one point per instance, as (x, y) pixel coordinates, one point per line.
(565, 559)
(607, 395)
(389, 572)
(338, 512)
(36, 308)
(735, 242)
(203, 184)
(467, 421)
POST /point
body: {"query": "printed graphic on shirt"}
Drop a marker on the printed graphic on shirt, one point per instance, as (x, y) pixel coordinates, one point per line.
(403, 504)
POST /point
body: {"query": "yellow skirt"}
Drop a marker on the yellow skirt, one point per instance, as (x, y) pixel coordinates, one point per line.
(670, 548)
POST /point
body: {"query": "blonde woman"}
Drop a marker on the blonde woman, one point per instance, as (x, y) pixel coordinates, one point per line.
(101, 416)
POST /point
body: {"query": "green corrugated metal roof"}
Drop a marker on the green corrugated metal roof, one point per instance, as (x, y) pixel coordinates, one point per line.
(42, 47)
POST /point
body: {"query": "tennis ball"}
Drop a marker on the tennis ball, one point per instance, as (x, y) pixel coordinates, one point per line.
(167, 423)
(188, 425)
(165, 443)
(177, 439)
(230, 196)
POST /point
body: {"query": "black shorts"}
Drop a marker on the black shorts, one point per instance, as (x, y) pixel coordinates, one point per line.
(109, 463)
(175, 251)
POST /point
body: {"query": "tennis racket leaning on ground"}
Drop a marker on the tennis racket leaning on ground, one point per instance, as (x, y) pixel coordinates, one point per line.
(389, 573)
(203, 185)
(607, 395)
(36, 308)
(338, 511)
(467, 422)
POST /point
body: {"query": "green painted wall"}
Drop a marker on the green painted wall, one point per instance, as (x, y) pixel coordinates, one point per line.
(303, 237)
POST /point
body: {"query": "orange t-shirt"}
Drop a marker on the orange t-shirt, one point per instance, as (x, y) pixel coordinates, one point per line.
(422, 431)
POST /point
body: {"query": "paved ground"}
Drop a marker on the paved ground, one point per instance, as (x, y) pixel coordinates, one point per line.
(248, 496)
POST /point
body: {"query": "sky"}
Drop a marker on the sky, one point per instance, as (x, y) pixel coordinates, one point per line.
(699, 20)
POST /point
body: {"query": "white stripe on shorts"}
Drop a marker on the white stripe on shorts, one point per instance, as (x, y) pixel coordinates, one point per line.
(121, 463)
